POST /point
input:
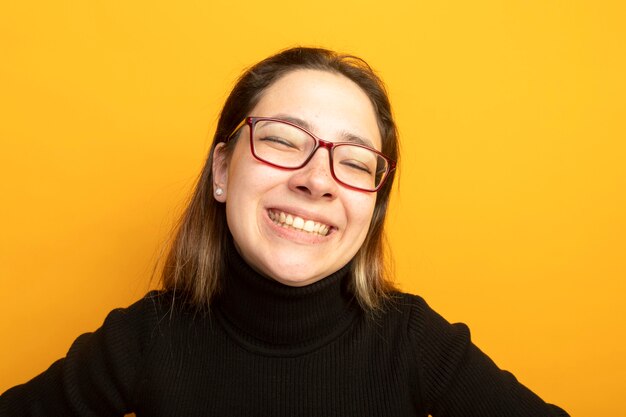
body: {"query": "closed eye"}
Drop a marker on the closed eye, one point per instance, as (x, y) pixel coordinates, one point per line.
(278, 141)
(357, 166)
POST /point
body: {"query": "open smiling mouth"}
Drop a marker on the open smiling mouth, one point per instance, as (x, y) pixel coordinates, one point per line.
(294, 222)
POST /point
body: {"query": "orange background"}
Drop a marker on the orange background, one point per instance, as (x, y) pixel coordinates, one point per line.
(511, 210)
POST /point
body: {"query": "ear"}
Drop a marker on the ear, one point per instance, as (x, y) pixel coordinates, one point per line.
(220, 172)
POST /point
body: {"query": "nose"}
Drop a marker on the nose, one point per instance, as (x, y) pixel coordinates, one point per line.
(315, 179)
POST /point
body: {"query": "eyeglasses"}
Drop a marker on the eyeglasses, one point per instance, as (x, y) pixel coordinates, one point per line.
(283, 144)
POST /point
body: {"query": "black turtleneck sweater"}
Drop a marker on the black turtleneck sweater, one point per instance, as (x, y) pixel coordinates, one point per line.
(266, 349)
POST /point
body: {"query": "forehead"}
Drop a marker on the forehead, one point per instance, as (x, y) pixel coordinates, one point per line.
(330, 105)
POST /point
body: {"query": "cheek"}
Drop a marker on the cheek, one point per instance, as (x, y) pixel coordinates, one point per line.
(252, 179)
(248, 183)
(242, 173)
(360, 212)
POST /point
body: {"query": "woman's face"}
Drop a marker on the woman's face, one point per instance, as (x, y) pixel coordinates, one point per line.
(334, 108)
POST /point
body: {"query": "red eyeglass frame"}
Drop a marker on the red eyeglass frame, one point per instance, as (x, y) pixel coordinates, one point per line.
(319, 143)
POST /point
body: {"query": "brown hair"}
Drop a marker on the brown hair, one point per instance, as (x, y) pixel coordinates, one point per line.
(195, 262)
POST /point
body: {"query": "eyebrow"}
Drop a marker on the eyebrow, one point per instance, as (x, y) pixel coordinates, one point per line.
(349, 137)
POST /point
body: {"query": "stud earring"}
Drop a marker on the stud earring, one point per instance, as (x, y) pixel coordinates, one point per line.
(219, 192)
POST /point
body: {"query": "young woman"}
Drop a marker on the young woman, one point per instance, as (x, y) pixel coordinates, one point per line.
(275, 299)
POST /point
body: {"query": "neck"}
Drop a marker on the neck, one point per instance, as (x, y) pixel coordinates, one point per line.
(267, 314)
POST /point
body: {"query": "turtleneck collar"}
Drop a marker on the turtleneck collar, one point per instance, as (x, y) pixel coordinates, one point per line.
(278, 319)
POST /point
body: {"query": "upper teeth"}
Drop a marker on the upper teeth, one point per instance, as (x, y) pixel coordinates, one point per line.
(288, 220)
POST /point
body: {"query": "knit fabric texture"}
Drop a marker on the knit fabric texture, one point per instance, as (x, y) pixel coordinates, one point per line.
(266, 349)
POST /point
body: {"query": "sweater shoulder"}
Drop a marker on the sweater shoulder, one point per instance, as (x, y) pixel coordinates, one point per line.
(99, 374)
(427, 332)
(421, 320)
(149, 318)
(424, 322)
(141, 316)
(152, 303)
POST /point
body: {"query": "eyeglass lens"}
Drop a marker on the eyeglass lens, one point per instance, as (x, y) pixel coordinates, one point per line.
(288, 146)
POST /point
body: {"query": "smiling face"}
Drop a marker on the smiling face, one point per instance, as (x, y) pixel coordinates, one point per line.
(271, 210)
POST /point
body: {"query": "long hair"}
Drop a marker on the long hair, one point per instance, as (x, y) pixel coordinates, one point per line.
(195, 262)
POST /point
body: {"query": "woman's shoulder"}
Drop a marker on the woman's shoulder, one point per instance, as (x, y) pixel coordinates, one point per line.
(421, 322)
(155, 304)
(147, 316)
(147, 308)
(411, 306)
